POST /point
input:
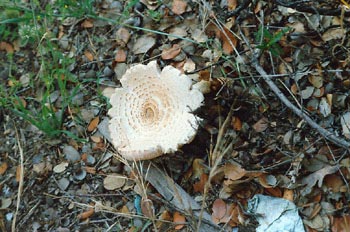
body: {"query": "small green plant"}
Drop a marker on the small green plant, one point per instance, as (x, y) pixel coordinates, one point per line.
(269, 41)
(28, 25)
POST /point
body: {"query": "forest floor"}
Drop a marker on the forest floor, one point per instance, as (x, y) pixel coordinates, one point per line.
(275, 119)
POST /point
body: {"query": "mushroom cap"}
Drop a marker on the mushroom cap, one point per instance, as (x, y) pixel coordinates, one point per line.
(151, 113)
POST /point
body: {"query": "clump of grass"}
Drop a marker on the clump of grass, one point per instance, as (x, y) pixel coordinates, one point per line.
(33, 101)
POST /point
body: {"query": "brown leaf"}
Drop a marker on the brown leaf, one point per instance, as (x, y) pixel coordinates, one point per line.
(198, 168)
(267, 181)
(115, 181)
(231, 4)
(229, 41)
(147, 208)
(261, 125)
(341, 224)
(171, 53)
(334, 183)
(120, 56)
(6, 47)
(288, 194)
(179, 219)
(89, 55)
(164, 217)
(3, 168)
(86, 214)
(199, 186)
(93, 124)
(122, 36)
(143, 44)
(317, 177)
(91, 170)
(234, 172)
(87, 23)
(219, 210)
(236, 123)
(179, 7)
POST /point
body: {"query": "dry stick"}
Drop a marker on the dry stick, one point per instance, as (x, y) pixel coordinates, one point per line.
(325, 133)
(20, 185)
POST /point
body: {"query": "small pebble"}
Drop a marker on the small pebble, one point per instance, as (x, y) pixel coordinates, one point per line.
(71, 153)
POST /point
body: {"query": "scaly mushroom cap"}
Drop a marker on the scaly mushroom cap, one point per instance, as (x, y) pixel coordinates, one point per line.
(151, 113)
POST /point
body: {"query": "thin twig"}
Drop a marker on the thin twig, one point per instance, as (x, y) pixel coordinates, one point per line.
(324, 132)
(20, 184)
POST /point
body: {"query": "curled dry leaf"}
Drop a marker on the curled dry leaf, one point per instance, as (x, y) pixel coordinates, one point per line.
(151, 114)
(180, 220)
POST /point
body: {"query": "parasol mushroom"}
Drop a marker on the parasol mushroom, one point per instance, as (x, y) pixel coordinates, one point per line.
(151, 113)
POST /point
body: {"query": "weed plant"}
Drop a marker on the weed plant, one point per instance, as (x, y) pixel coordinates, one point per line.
(28, 28)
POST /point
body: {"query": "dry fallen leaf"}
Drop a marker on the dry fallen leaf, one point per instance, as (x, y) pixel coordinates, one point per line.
(229, 41)
(171, 52)
(114, 181)
(233, 171)
(88, 55)
(316, 81)
(120, 56)
(93, 124)
(164, 217)
(179, 219)
(334, 183)
(6, 47)
(261, 125)
(219, 210)
(288, 194)
(87, 23)
(143, 44)
(333, 33)
(3, 168)
(86, 214)
(179, 7)
(199, 186)
(317, 177)
(345, 124)
(122, 36)
(236, 123)
(147, 208)
(341, 224)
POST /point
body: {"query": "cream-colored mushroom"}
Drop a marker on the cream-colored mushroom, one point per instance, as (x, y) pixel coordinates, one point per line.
(151, 113)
